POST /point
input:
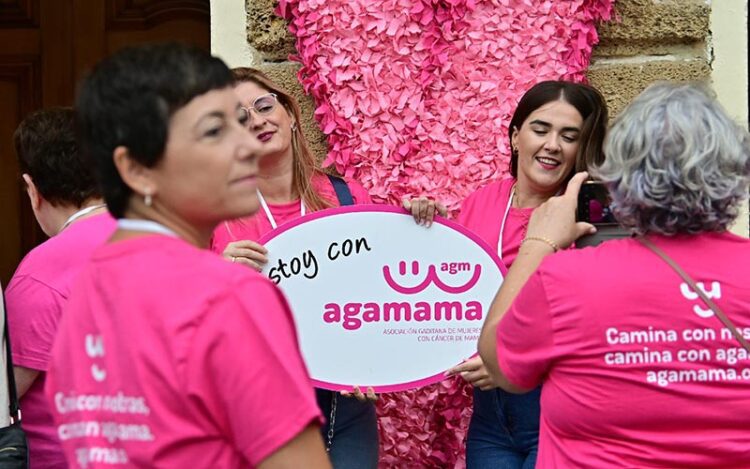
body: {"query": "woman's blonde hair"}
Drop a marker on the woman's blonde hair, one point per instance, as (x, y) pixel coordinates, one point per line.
(304, 163)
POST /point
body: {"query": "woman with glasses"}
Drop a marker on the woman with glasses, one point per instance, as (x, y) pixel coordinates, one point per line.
(167, 356)
(290, 184)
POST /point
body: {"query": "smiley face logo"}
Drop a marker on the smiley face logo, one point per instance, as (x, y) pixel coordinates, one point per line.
(430, 278)
(94, 345)
(714, 293)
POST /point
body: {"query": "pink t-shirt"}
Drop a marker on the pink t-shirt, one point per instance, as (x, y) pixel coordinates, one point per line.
(169, 356)
(35, 298)
(254, 227)
(483, 212)
(636, 370)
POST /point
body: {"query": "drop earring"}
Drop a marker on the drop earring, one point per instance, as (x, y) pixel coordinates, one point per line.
(147, 199)
(294, 126)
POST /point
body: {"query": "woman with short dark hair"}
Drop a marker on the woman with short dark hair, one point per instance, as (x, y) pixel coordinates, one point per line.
(636, 370)
(168, 356)
(67, 205)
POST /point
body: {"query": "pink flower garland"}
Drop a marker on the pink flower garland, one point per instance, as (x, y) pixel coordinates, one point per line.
(415, 97)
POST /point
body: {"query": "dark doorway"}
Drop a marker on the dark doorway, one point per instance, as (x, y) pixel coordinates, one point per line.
(46, 46)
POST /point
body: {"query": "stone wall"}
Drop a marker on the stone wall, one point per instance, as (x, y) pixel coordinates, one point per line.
(653, 40)
(650, 40)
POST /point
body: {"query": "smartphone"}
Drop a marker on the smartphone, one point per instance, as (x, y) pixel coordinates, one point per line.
(595, 207)
(594, 204)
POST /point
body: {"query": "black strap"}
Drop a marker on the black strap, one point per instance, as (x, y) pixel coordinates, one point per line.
(342, 190)
(15, 415)
(689, 280)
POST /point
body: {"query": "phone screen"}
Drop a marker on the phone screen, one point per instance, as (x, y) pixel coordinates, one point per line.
(594, 204)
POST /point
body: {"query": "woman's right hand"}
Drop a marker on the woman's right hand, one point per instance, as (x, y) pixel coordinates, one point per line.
(474, 372)
(423, 210)
(246, 252)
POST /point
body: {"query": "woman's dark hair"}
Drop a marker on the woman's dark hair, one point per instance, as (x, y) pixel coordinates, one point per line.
(47, 151)
(129, 99)
(589, 103)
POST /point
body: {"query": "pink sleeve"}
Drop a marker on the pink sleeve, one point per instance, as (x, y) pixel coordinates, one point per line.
(245, 367)
(525, 347)
(466, 209)
(33, 313)
(359, 193)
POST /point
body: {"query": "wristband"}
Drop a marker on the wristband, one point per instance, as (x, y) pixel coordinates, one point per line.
(546, 241)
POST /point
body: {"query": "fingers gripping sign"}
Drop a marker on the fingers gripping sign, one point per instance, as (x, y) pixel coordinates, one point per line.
(246, 252)
(424, 210)
(360, 396)
(473, 372)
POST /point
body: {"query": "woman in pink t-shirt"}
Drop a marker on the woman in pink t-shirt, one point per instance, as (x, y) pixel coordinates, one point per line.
(636, 370)
(557, 128)
(291, 184)
(168, 356)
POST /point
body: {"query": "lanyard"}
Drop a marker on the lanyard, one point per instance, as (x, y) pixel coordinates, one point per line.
(81, 213)
(269, 215)
(144, 225)
(502, 223)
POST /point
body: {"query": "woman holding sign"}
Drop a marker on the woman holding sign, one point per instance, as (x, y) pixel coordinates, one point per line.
(165, 355)
(290, 184)
(557, 129)
(640, 364)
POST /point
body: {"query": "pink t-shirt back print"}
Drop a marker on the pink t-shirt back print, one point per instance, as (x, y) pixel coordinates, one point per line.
(632, 383)
(35, 298)
(174, 350)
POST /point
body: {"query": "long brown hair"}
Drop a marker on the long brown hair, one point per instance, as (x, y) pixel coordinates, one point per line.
(304, 165)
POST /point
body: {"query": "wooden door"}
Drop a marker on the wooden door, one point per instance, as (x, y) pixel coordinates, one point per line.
(46, 46)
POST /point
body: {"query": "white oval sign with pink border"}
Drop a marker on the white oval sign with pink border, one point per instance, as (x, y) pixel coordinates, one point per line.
(379, 300)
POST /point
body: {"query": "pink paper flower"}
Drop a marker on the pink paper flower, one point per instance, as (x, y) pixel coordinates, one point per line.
(415, 98)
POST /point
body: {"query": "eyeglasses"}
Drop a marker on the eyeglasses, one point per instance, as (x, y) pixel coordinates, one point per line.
(262, 105)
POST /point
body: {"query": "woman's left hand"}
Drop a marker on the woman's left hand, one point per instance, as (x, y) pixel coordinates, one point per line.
(555, 219)
(357, 393)
(424, 210)
(474, 372)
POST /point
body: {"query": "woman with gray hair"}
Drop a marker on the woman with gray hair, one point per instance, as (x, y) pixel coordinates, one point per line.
(637, 370)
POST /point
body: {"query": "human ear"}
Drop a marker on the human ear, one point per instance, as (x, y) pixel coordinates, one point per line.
(134, 174)
(514, 139)
(34, 196)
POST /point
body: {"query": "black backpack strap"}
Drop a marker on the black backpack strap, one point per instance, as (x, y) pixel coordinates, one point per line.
(15, 415)
(342, 190)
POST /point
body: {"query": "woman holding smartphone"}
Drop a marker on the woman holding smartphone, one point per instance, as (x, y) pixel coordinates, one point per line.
(290, 184)
(557, 129)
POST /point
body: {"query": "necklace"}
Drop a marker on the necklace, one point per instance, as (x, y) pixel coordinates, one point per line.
(81, 213)
(269, 215)
(148, 226)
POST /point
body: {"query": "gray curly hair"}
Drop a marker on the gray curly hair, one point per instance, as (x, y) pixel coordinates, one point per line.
(676, 162)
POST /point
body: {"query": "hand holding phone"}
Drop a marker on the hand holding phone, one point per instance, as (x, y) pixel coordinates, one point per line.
(595, 207)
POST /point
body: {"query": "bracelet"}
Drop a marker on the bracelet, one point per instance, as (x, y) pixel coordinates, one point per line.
(547, 241)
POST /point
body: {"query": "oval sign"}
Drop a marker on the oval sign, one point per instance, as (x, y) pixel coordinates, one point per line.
(379, 300)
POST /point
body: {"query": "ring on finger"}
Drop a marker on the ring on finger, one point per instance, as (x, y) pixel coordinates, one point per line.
(234, 258)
